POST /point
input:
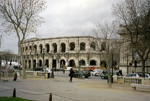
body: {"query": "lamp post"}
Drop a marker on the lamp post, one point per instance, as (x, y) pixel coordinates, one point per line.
(135, 60)
(112, 69)
(52, 76)
(44, 61)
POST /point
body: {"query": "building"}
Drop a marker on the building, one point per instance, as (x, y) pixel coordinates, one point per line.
(7, 57)
(128, 56)
(61, 52)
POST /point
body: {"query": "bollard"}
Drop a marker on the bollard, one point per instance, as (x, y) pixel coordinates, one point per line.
(14, 92)
(50, 97)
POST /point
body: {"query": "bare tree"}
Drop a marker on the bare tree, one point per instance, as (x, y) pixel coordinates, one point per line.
(134, 15)
(21, 17)
(6, 56)
(107, 41)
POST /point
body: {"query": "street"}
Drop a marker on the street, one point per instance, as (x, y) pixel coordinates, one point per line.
(91, 89)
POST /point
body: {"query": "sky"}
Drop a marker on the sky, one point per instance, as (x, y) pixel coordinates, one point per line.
(66, 18)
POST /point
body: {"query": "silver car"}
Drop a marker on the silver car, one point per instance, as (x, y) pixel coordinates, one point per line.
(137, 75)
(96, 72)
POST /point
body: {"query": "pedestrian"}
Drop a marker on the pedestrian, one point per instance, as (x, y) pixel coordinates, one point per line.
(18, 76)
(71, 74)
(132, 71)
(15, 76)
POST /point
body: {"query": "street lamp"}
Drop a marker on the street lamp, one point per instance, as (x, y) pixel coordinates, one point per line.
(52, 76)
(112, 69)
(135, 60)
(44, 61)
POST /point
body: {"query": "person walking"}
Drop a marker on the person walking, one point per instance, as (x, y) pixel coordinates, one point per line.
(18, 76)
(71, 74)
(15, 76)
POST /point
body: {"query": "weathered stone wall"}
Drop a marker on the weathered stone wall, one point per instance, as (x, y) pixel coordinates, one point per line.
(89, 55)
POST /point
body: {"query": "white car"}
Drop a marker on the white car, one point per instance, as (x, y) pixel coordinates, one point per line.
(96, 72)
(137, 75)
(68, 68)
(48, 70)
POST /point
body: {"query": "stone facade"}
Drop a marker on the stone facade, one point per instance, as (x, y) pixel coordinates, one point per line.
(127, 55)
(64, 51)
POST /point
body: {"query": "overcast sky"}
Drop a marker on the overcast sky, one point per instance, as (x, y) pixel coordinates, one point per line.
(67, 18)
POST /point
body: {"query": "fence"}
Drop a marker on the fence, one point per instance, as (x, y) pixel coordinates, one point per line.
(128, 80)
(36, 74)
(133, 80)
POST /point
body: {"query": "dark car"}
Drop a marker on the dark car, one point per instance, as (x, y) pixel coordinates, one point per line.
(57, 69)
(104, 75)
(38, 69)
(85, 74)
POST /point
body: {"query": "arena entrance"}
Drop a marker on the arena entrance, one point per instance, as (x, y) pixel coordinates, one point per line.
(54, 64)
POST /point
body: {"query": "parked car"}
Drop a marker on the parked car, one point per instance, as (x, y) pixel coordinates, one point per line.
(104, 75)
(96, 72)
(47, 70)
(38, 69)
(85, 74)
(137, 75)
(57, 69)
(68, 68)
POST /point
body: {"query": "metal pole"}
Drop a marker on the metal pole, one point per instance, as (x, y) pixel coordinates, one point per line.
(127, 65)
(112, 70)
(50, 97)
(44, 61)
(14, 92)
(79, 75)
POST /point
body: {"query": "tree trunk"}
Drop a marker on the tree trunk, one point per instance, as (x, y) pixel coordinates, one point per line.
(109, 77)
(143, 68)
(22, 61)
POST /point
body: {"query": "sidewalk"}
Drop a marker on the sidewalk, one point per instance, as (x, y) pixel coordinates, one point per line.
(79, 90)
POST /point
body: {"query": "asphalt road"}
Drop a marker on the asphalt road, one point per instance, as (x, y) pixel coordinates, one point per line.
(92, 89)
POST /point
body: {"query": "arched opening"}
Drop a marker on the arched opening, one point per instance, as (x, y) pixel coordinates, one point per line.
(72, 46)
(103, 46)
(25, 64)
(82, 63)
(82, 46)
(34, 63)
(93, 63)
(40, 63)
(47, 48)
(26, 49)
(72, 63)
(23, 49)
(35, 49)
(93, 46)
(30, 49)
(29, 63)
(47, 63)
(62, 63)
(41, 48)
(55, 48)
(103, 64)
(63, 47)
(54, 64)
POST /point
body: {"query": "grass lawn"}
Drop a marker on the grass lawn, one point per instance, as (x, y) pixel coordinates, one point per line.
(12, 99)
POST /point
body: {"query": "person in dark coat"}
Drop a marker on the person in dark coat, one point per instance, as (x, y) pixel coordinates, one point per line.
(15, 77)
(71, 74)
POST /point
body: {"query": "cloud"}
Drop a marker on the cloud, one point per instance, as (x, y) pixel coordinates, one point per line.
(70, 18)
